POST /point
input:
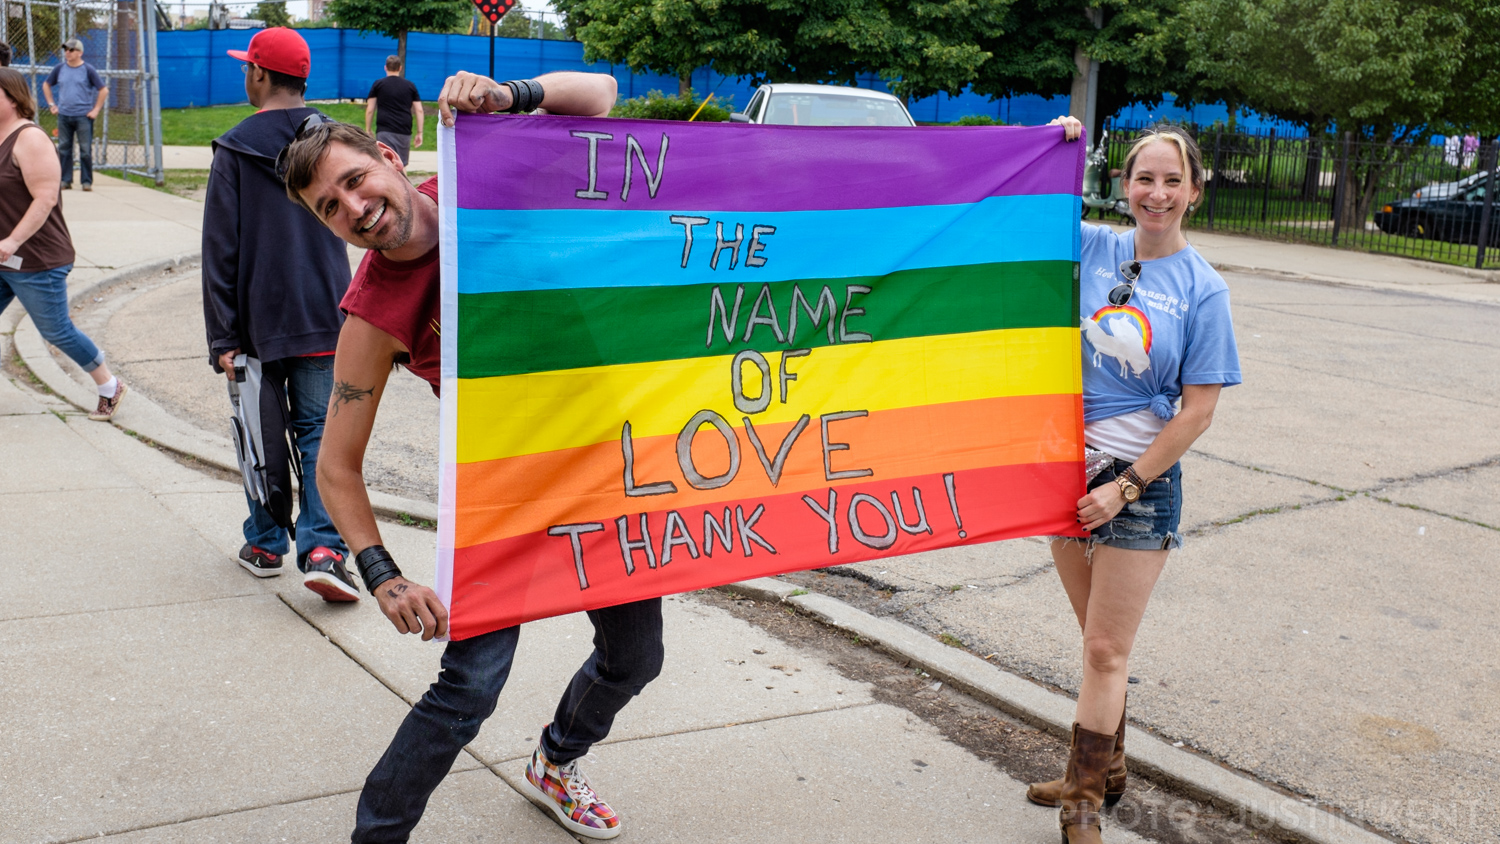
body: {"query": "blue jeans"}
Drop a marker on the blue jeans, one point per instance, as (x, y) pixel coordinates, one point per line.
(81, 127)
(45, 296)
(627, 655)
(308, 381)
(1149, 523)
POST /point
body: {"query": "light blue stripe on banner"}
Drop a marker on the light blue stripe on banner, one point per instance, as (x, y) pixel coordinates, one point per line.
(505, 251)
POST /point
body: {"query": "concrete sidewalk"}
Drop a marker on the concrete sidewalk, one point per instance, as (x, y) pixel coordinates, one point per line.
(120, 223)
(155, 692)
(1298, 441)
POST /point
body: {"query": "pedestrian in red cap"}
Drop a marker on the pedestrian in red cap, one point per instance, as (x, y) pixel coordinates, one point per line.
(277, 49)
(272, 281)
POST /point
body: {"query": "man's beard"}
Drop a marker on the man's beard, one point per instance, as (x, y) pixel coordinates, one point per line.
(400, 233)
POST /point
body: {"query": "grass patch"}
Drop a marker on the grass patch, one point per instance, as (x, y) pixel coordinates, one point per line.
(411, 521)
(197, 127)
(798, 592)
(31, 377)
(178, 182)
(951, 640)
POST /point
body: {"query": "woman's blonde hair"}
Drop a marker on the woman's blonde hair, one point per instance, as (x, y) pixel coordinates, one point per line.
(1187, 149)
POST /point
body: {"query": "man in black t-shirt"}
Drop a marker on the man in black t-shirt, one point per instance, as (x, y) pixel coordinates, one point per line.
(398, 103)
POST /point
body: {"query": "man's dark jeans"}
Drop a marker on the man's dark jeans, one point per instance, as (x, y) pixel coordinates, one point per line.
(308, 383)
(81, 127)
(627, 655)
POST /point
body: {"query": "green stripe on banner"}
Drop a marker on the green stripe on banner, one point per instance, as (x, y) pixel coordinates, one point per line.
(543, 330)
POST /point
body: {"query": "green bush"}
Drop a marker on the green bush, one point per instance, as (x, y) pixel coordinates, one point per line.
(978, 120)
(658, 106)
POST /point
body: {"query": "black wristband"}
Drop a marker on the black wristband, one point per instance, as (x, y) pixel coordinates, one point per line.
(376, 566)
(525, 95)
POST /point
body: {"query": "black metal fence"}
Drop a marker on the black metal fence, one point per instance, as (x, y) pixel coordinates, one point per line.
(1431, 201)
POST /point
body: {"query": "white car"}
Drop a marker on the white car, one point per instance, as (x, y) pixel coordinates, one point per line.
(822, 105)
(1448, 190)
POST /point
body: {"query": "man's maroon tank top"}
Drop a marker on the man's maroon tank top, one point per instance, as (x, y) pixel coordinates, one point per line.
(51, 246)
(403, 299)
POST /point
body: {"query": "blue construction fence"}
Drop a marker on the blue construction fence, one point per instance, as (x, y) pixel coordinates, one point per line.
(195, 71)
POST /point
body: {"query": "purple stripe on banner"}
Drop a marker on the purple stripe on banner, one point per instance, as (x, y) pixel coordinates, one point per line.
(599, 163)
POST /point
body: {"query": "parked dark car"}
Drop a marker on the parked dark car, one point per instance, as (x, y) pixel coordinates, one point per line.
(1454, 218)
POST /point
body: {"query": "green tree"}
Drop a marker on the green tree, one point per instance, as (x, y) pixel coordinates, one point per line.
(514, 25)
(1383, 70)
(921, 47)
(658, 106)
(517, 25)
(780, 40)
(1041, 46)
(395, 18)
(273, 13)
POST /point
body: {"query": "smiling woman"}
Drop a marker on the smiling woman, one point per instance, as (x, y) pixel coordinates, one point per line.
(1156, 330)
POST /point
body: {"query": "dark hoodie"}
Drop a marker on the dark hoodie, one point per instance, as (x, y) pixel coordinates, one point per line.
(272, 274)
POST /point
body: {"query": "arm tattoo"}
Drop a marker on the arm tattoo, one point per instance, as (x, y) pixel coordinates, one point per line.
(344, 393)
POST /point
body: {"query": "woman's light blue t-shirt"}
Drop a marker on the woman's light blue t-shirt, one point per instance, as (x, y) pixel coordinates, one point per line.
(1175, 330)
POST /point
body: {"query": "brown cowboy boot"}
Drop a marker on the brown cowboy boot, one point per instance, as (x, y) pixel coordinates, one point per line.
(1046, 793)
(1082, 794)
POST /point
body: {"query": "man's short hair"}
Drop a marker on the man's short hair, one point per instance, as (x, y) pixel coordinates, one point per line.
(286, 82)
(4, 54)
(304, 155)
(392, 62)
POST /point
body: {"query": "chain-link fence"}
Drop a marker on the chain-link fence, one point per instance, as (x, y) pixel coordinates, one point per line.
(119, 41)
(1429, 200)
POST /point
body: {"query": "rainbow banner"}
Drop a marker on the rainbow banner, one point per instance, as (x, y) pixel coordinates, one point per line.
(678, 355)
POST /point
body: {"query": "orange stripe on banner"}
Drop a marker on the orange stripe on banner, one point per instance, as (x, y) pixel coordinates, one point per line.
(529, 493)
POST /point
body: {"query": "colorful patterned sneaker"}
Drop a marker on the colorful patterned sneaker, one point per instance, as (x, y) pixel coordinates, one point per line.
(106, 409)
(258, 562)
(324, 573)
(563, 790)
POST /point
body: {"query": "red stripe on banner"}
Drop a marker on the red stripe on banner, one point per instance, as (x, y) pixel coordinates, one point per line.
(523, 578)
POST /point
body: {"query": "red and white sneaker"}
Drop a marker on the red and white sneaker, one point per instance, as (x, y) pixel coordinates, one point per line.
(563, 791)
(324, 573)
(260, 562)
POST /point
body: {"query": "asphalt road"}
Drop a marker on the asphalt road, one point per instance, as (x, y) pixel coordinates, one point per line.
(1329, 625)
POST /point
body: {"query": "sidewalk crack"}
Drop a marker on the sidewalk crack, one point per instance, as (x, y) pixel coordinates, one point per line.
(1385, 385)
(96, 835)
(1419, 508)
(692, 730)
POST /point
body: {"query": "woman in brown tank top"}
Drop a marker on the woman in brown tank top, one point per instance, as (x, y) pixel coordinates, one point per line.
(36, 252)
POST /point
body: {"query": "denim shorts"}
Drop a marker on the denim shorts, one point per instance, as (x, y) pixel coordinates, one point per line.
(1148, 524)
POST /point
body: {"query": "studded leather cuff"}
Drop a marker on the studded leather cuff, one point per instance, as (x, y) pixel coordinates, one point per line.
(525, 95)
(376, 566)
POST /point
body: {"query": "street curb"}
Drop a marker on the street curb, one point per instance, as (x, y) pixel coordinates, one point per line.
(1258, 805)
(1477, 276)
(144, 419)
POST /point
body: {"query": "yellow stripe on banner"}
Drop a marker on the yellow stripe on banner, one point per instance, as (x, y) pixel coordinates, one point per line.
(537, 412)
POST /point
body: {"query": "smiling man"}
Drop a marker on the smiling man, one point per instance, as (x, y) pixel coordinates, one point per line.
(359, 189)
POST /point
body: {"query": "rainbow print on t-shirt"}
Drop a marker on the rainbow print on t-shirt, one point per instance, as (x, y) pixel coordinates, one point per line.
(677, 355)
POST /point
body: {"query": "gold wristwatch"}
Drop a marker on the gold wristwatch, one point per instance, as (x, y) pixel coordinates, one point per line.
(1131, 484)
